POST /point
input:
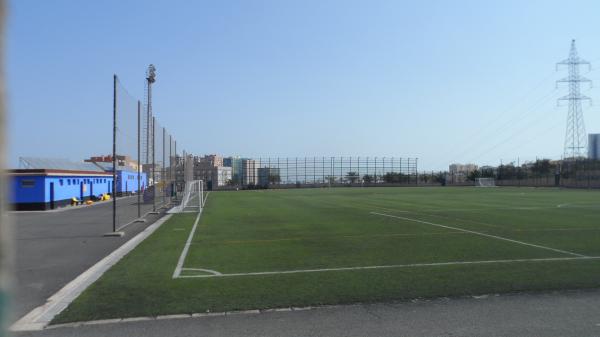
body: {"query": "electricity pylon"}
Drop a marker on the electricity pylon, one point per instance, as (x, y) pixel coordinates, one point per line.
(575, 137)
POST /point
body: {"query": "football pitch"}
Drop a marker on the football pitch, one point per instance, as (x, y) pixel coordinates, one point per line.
(302, 247)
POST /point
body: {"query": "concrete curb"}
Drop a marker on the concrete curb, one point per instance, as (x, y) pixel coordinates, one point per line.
(186, 316)
(40, 317)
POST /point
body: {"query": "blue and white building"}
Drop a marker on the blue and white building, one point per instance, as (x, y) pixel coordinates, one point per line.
(42, 189)
(127, 179)
(49, 183)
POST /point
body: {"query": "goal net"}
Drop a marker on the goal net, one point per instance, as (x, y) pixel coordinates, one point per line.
(193, 198)
(485, 182)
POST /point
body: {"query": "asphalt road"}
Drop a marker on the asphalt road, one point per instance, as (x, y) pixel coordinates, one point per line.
(52, 248)
(554, 314)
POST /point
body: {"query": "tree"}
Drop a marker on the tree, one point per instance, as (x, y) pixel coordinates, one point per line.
(393, 177)
(541, 167)
(274, 179)
(353, 177)
(368, 178)
(474, 175)
(441, 178)
(487, 173)
(508, 171)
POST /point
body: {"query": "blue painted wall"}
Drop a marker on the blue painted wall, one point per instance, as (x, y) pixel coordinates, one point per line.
(32, 192)
(127, 181)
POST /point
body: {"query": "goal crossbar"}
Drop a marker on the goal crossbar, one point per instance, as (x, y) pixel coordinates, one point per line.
(485, 182)
(193, 198)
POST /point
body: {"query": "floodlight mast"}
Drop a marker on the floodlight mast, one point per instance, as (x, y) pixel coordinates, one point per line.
(151, 73)
(150, 79)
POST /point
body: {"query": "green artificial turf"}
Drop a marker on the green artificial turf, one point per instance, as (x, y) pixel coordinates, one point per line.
(307, 229)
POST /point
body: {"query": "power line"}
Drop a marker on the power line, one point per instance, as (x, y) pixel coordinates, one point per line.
(517, 120)
(483, 132)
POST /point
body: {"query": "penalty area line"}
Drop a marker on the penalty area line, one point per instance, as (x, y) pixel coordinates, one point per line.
(481, 234)
(186, 248)
(393, 266)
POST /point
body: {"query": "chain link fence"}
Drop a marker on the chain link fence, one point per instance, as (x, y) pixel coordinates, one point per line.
(576, 173)
(142, 161)
(290, 172)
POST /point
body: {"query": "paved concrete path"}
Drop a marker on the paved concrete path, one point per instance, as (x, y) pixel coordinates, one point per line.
(554, 314)
(52, 248)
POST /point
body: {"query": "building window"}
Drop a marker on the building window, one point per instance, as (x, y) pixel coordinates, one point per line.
(27, 183)
(60, 181)
(68, 181)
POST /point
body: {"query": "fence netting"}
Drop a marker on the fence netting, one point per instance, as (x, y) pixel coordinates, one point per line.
(145, 158)
(285, 172)
(130, 182)
(573, 173)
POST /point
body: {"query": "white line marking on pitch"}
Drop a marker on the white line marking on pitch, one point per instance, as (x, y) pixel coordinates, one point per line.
(481, 234)
(412, 265)
(210, 271)
(40, 317)
(186, 248)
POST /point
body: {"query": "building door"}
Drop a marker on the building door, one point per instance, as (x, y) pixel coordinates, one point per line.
(91, 189)
(51, 195)
(81, 191)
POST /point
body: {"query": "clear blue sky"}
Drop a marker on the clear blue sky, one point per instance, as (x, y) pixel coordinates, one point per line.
(445, 81)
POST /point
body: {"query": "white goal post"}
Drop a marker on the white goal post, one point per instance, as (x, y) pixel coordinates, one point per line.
(193, 198)
(485, 182)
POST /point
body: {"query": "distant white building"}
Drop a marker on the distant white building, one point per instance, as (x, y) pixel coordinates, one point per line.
(594, 146)
(222, 175)
(462, 168)
(459, 172)
(216, 175)
(249, 172)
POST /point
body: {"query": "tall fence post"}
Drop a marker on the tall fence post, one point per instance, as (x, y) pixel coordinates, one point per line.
(171, 183)
(139, 159)
(6, 237)
(416, 171)
(153, 165)
(162, 169)
(176, 163)
(114, 158)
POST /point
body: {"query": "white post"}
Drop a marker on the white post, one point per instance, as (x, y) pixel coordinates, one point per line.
(201, 194)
